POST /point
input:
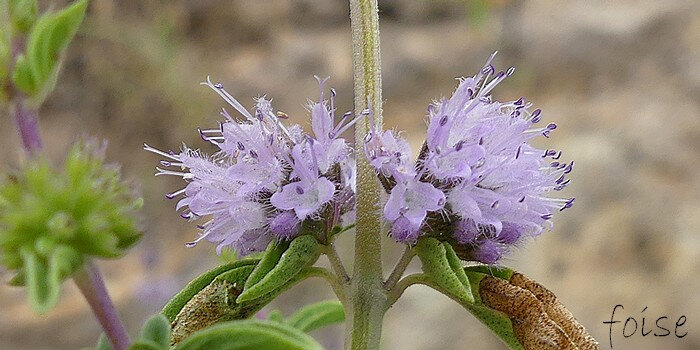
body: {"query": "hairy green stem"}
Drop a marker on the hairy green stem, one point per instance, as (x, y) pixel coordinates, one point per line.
(367, 307)
(400, 267)
(90, 283)
(337, 286)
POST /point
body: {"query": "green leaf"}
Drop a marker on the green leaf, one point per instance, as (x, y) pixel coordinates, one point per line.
(141, 344)
(268, 262)
(456, 265)
(157, 330)
(36, 74)
(318, 315)
(302, 252)
(103, 343)
(250, 335)
(4, 55)
(22, 76)
(496, 321)
(501, 272)
(433, 256)
(275, 315)
(43, 288)
(173, 307)
(22, 14)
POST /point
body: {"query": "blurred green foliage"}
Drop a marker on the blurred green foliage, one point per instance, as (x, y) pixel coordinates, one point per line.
(52, 220)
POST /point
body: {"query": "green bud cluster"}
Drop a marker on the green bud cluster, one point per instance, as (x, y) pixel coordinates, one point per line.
(52, 220)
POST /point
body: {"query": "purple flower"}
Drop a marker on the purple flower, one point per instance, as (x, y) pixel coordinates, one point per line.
(411, 200)
(266, 178)
(477, 156)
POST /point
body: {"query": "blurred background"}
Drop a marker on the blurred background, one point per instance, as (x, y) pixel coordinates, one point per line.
(620, 78)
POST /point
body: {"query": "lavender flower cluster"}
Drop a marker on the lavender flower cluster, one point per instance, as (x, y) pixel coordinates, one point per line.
(267, 181)
(477, 182)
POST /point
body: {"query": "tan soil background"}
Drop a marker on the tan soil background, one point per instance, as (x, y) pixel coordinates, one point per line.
(620, 78)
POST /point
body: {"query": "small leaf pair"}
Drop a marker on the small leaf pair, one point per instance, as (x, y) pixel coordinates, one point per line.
(314, 316)
(239, 289)
(443, 267)
(280, 264)
(36, 71)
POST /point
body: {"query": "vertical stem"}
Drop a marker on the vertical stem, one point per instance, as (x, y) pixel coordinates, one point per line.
(368, 299)
(27, 123)
(90, 283)
(26, 119)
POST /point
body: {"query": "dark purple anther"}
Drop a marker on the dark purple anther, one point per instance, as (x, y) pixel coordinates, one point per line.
(549, 152)
(219, 86)
(568, 204)
(536, 117)
(520, 101)
(551, 126)
(190, 244)
(560, 179)
(517, 153)
(443, 120)
(569, 167)
(170, 195)
(165, 163)
(470, 92)
(331, 135)
(510, 71)
(258, 115)
(333, 93)
(185, 216)
(441, 202)
(558, 156)
(300, 190)
(494, 205)
(253, 154)
(554, 164)
(488, 69)
(481, 141)
(240, 146)
(368, 138)
(459, 145)
(546, 216)
(201, 227)
(500, 75)
(522, 199)
(515, 114)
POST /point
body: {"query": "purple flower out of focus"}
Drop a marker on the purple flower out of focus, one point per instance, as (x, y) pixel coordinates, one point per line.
(267, 179)
(477, 183)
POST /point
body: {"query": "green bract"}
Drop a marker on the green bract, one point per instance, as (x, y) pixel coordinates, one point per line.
(23, 13)
(52, 220)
